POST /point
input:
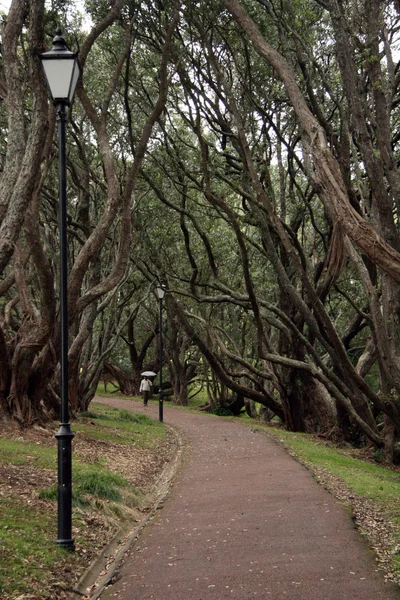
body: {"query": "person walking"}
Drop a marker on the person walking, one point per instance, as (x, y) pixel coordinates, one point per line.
(145, 387)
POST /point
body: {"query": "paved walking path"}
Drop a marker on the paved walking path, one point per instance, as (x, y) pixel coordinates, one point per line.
(245, 520)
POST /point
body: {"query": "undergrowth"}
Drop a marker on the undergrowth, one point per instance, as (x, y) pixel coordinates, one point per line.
(28, 528)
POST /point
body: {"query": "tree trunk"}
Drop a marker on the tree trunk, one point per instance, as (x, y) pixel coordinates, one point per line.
(126, 384)
(250, 407)
(292, 400)
(389, 438)
(319, 408)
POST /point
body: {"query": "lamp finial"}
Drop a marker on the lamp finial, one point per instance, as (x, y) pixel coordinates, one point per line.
(59, 43)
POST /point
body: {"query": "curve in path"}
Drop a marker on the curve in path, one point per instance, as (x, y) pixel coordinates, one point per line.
(245, 520)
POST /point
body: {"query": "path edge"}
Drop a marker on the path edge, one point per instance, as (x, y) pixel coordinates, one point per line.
(104, 567)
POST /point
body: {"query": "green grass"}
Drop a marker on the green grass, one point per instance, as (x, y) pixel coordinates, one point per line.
(120, 426)
(27, 533)
(111, 388)
(380, 484)
(17, 452)
(372, 481)
(102, 484)
(26, 548)
(113, 425)
(96, 482)
(50, 493)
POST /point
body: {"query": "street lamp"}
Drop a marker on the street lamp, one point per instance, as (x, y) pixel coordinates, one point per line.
(160, 290)
(61, 69)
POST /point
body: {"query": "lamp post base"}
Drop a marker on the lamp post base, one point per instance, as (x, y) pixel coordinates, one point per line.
(67, 545)
(64, 440)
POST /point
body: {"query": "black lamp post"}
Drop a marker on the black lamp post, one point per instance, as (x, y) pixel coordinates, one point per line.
(160, 293)
(62, 71)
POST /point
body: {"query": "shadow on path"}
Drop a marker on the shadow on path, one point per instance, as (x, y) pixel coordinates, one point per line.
(245, 520)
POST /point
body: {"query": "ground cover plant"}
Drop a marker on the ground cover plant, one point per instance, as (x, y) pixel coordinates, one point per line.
(116, 459)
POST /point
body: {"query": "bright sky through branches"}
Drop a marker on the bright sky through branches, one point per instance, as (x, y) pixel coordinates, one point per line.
(5, 6)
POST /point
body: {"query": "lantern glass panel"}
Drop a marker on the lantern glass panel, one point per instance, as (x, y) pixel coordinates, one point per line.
(59, 74)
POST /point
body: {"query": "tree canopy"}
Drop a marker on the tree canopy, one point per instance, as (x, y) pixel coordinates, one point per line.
(246, 154)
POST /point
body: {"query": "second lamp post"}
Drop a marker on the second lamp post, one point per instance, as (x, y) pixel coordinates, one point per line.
(160, 290)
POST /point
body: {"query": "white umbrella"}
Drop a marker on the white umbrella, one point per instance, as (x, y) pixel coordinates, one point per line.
(149, 374)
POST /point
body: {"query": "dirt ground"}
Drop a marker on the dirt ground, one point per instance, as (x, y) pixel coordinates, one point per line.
(22, 483)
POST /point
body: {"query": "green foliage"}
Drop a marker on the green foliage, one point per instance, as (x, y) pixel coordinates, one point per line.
(97, 482)
(100, 483)
(197, 396)
(220, 411)
(116, 415)
(50, 493)
(126, 415)
(90, 414)
(111, 388)
(117, 511)
(373, 379)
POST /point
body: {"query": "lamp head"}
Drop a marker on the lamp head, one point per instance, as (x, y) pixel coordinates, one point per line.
(61, 69)
(160, 290)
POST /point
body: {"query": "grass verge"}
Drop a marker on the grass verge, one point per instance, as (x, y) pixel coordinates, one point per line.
(28, 549)
(111, 449)
(373, 481)
(372, 490)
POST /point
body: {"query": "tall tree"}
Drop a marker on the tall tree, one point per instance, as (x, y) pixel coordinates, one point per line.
(101, 229)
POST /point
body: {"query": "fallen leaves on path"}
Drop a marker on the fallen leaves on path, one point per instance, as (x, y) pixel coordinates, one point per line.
(368, 518)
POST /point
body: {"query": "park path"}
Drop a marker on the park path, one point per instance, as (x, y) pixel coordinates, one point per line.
(245, 520)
